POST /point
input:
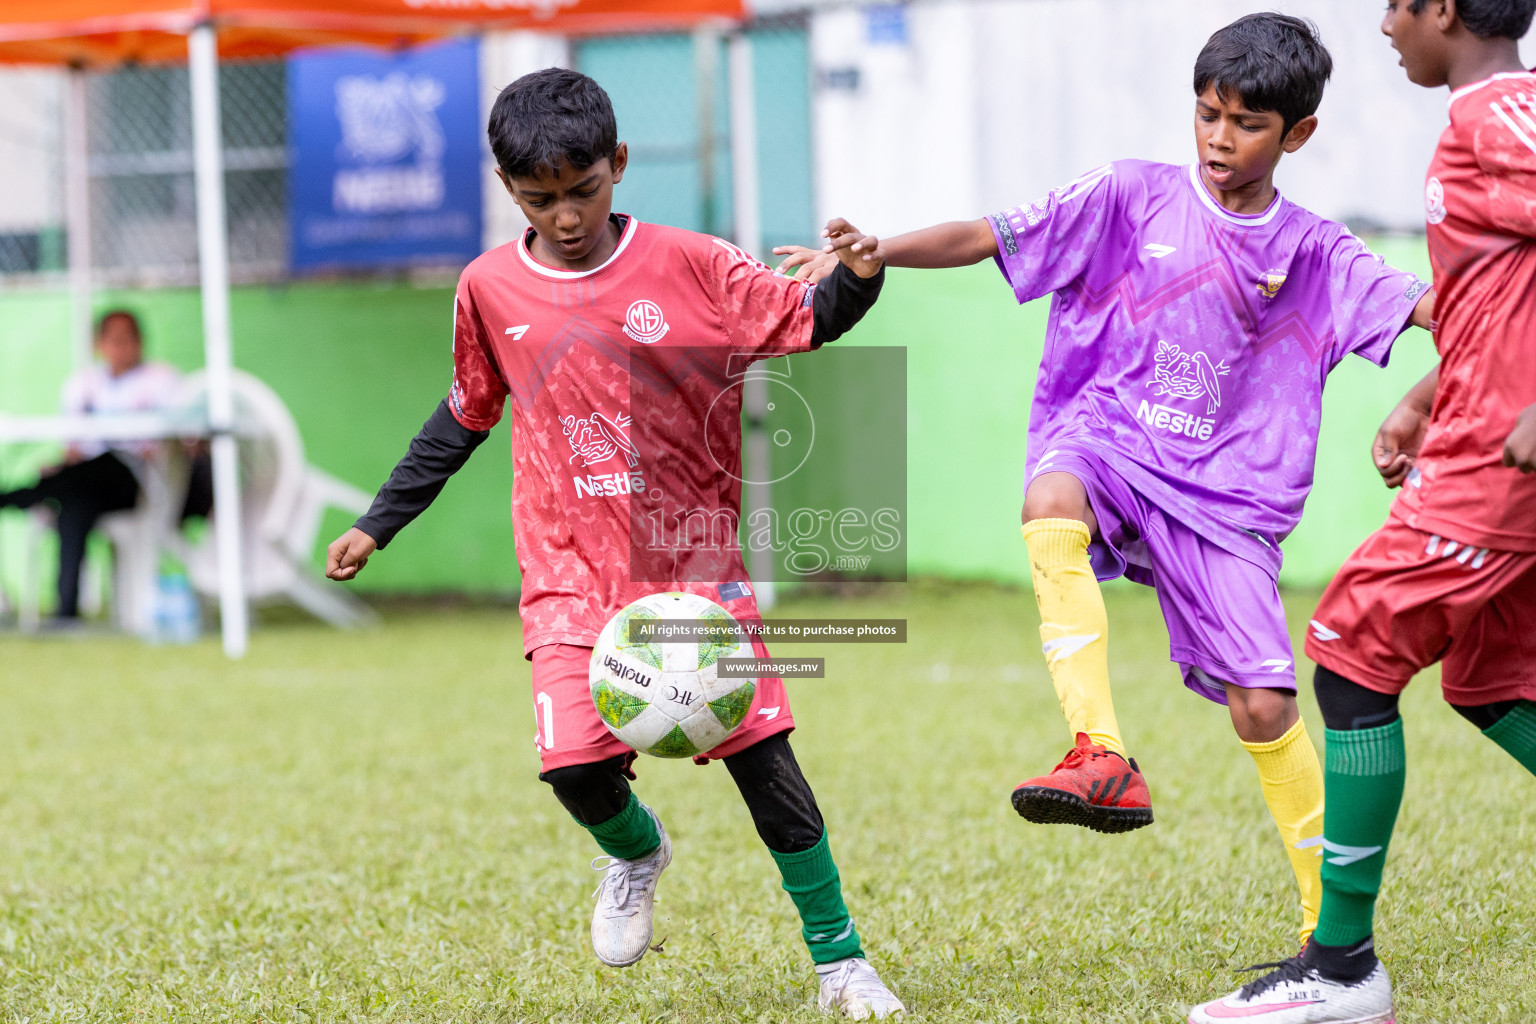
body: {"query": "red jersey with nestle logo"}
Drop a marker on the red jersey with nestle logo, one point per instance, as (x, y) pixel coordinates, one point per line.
(1481, 206)
(625, 385)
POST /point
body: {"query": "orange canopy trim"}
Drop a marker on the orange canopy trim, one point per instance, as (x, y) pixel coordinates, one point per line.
(105, 32)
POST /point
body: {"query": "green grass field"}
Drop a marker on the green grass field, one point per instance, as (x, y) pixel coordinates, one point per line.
(349, 828)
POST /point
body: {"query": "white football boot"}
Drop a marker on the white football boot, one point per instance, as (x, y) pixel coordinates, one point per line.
(851, 988)
(621, 921)
(1294, 993)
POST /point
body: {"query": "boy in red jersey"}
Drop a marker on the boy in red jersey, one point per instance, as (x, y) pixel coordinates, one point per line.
(1451, 577)
(607, 424)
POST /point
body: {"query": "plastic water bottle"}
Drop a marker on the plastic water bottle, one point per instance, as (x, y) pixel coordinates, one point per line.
(177, 615)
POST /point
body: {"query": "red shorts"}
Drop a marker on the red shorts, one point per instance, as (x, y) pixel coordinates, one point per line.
(1407, 599)
(569, 731)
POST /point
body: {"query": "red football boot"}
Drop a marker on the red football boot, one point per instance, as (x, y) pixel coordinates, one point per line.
(1092, 787)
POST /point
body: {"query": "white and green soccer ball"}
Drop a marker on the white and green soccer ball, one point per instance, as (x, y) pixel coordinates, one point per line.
(665, 698)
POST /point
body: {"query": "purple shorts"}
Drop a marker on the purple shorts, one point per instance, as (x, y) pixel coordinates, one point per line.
(1225, 620)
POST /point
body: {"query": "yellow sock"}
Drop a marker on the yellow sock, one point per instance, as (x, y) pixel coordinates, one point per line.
(1074, 628)
(1293, 788)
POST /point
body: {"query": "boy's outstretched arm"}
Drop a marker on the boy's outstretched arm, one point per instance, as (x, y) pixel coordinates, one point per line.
(958, 243)
(849, 287)
(859, 252)
(1397, 442)
(438, 450)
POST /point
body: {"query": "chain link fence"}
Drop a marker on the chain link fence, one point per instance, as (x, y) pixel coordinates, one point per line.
(672, 97)
(143, 202)
(31, 174)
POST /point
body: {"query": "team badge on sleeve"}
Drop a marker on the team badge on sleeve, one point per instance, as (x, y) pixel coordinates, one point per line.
(1434, 201)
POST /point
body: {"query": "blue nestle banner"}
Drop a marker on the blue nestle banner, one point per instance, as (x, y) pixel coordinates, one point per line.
(386, 157)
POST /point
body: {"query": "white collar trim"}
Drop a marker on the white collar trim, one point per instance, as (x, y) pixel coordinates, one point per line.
(1501, 76)
(572, 275)
(1250, 221)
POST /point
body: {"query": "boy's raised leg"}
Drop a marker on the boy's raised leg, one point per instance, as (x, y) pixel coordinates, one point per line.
(1095, 785)
(598, 796)
(790, 825)
(1074, 627)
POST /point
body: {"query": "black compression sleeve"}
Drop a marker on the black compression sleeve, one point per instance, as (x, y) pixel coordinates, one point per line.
(840, 301)
(437, 452)
(1347, 705)
(775, 791)
(594, 792)
(1486, 716)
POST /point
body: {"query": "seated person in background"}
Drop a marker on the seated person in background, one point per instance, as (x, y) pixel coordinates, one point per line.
(95, 478)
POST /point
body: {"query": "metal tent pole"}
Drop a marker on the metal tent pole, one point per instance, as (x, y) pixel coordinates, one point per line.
(77, 213)
(213, 267)
(744, 191)
(758, 492)
(706, 72)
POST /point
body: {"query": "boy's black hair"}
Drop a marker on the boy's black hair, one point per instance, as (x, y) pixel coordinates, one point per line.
(1272, 61)
(551, 118)
(120, 314)
(1490, 19)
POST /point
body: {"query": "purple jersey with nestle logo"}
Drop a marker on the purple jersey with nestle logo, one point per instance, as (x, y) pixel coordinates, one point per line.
(1188, 346)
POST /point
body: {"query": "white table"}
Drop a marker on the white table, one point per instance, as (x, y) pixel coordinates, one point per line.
(110, 429)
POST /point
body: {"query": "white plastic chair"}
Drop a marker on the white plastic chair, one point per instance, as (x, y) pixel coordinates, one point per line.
(282, 501)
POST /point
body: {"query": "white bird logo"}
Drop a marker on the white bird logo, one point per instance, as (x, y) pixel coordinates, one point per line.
(1188, 375)
(597, 439)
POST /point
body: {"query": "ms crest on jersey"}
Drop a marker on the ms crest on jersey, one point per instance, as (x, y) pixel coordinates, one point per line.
(645, 323)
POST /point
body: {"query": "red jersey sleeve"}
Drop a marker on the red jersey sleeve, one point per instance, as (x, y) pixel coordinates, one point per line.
(762, 313)
(478, 394)
(1504, 143)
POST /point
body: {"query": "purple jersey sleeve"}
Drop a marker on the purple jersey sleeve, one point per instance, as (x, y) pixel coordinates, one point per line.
(1371, 300)
(1044, 246)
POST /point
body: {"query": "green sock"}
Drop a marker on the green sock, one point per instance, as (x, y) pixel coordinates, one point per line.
(628, 835)
(1516, 733)
(1363, 778)
(810, 878)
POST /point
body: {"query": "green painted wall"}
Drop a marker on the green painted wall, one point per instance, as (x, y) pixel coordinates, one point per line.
(362, 365)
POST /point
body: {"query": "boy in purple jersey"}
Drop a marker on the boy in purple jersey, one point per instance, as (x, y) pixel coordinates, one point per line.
(1196, 314)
